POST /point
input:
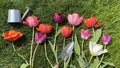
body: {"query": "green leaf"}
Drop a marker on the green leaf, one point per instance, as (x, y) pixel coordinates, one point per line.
(72, 66)
(108, 63)
(68, 60)
(97, 36)
(51, 45)
(103, 66)
(95, 63)
(77, 46)
(81, 62)
(58, 32)
(24, 65)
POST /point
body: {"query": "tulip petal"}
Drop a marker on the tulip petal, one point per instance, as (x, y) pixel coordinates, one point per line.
(75, 18)
(79, 21)
(91, 45)
(97, 48)
(101, 52)
(70, 19)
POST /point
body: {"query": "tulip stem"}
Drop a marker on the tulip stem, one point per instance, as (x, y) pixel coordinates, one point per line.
(73, 30)
(94, 33)
(83, 55)
(19, 54)
(82, 48)
(34, 54)
(63, 42)
(31, 49)
(47, 56)
(55, 47)
(90, 60)
(63, 48)
(101, 59)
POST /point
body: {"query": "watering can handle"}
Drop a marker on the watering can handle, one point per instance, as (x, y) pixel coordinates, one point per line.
(27, 10)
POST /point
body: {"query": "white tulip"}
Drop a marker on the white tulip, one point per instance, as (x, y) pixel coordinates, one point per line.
(96, 49)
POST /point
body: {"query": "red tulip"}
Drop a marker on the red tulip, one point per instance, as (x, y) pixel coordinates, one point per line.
(66, 31)
(32, 21)
(44, 28)
(90, 22)
(75, 19)
(12, 35)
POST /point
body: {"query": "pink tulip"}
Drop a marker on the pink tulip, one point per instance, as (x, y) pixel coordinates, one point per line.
(106, 39)
(59, 18)
(75, 19)
(85, 34)
(32, 21)
(40, 37)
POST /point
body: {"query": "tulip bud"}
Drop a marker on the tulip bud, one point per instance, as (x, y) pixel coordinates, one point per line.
(85, 34)
(40, 37)
(90, 22)
(75, 19)
(44, 28)
(31, 21)
(106, 39)
(58, 17)
(66, 31)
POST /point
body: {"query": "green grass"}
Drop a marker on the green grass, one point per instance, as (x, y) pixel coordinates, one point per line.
(106, 11)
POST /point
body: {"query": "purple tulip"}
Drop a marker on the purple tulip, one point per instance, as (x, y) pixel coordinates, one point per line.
(40, 37)
(106, 39)
(58, 17)
(85, 34)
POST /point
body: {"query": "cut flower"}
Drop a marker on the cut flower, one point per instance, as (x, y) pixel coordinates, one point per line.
(40, 37)
(45, 28)
(12, 35)
(96, 49)
(85, 34)
(32, 21)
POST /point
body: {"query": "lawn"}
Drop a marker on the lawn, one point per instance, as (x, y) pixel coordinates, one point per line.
(106, 11)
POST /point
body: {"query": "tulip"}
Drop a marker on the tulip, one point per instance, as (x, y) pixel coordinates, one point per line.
(66, 31)
(106, 39)
(90, 22)
(44, 28)
(32, 21)
(12, 35)
(96, 49)
(85, 34)
(40, 37)
(58, 17)
(75, 19)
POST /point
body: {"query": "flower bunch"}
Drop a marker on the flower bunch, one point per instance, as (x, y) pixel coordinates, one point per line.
(74, 46)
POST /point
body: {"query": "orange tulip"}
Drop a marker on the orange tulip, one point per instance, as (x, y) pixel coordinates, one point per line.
(12, 35)
(45, 28)
(90, 22)
(66, 31)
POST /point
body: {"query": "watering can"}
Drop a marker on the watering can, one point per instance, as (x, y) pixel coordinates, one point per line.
(66, 51)
(14, 15)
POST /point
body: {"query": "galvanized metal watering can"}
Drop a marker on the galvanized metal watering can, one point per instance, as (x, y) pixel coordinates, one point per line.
(14, 15)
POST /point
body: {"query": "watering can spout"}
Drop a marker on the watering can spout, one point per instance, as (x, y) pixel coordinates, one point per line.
(24, 15)
(14, 15)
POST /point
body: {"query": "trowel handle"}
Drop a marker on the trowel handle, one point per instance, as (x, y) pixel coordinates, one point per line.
(28, 9)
